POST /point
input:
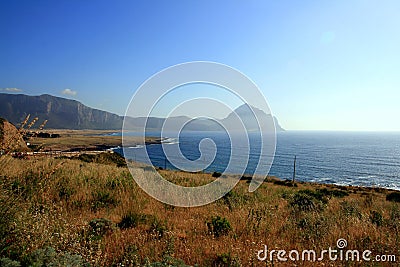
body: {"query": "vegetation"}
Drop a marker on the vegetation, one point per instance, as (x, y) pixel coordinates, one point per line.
(219, 226)
(394, 196)
(216, 174)
(87, 211)
(1, 128)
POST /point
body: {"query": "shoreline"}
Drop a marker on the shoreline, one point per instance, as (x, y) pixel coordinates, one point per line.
(98, 141)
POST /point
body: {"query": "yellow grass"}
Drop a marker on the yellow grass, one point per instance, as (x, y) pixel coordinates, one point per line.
(84, 139)
(52, 201)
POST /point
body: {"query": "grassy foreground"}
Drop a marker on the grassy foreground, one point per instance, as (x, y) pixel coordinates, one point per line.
(90, 212)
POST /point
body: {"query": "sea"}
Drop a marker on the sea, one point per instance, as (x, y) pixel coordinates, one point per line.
(370, 159)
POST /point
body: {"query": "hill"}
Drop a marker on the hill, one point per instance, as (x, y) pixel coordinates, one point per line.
(63, 113)
(250, 120)
(244, 112)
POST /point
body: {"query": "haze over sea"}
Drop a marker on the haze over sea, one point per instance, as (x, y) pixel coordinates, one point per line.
(344, 158)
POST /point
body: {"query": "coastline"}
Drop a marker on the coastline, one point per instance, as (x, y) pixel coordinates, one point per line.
(97, 141)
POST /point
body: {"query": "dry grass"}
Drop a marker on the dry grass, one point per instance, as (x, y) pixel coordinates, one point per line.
(84, 139)
(53, 202)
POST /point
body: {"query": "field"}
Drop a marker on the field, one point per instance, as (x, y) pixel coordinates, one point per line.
(84, 140)
(88, 211)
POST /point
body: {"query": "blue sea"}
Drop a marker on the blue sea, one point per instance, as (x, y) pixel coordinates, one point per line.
(344, 158)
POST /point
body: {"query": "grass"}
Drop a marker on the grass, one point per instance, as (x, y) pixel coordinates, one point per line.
(84, 140)
(83, 211)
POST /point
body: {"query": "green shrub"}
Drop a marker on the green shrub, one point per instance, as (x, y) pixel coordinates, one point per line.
(225, 260)
(394, 197)
(219, 226)
(313, 227)
(324, 192)
(368, 200)
(377, 218)
(394, 219)
(158, 228)
(101, 226)
(6, 262)
(104, 158)
(302, 201)
(350, 209)
(64, 190)
(233, 199)
(216, 174)
(246, 178)
(102, 199)
(285, 183)
(49, 257)
(131, 220)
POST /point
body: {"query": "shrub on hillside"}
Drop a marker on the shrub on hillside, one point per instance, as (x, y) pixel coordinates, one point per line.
(226, 260)
(219, 226)
(131, 220)
(100, 227)
(376, 218)
(216, 174)
(394, 197)
(307, 200)
(49, 257)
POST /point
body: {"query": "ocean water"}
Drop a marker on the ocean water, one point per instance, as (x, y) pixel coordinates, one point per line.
(344, 158)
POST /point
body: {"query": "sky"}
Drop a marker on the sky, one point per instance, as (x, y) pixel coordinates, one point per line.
(321, 65)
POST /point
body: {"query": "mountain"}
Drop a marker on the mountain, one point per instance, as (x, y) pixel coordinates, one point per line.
(63, 113)
(249, 119)
(244, 112)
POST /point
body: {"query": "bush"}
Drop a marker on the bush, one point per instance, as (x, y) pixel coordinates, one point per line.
(49, 257)
(64, 190)
(131, 220)
(350, 209)
(377, 218)
(219, 226)
(331, 193)
(246, 178)
(216, 174)
(225, 260)
(233, 199)
(285, 183)
(102, 199)
(158, 228)
(6, 262)
(303, 202)
(313, 227)
(309, 200)
(101, 226)
(394, 197)
(104, 158)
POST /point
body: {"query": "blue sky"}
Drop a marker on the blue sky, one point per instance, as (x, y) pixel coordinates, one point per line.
(322, 65)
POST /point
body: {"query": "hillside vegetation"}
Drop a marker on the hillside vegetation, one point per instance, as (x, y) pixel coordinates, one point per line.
(10, 138)
(90, 212)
